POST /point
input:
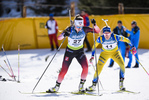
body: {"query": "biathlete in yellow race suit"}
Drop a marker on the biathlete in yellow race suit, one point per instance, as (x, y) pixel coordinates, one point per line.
(109, 50)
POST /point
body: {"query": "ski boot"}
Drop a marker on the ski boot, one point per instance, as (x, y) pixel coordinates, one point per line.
(121, 86)
(92, 88)
(136, 65)
(81, 86)
(54, 89)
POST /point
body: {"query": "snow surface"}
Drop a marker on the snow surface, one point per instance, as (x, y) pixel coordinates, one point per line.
(32, 65)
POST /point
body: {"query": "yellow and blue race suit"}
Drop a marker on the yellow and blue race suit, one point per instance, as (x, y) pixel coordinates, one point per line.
(109, 50)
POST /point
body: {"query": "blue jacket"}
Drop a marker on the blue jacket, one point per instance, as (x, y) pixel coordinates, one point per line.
(134, 36)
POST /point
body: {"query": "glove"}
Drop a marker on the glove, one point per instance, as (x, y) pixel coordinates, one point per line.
(133, 50)
(93, 21)
(66, 33)
(91, 59)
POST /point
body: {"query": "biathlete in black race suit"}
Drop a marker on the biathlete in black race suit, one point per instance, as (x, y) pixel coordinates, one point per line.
(76, 35)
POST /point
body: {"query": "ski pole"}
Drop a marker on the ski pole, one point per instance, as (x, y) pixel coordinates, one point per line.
(8, 67)
(71, 22)
(8, 62)
(19, 63)
(98, 79)
(96, 60)
(5, 71)
(48, 65)
(141, 64)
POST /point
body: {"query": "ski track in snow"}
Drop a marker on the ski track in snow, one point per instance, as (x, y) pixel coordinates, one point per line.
(32, 65)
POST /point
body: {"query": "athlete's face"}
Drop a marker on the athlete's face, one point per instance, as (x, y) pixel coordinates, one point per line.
(78, 28)
(107, 35)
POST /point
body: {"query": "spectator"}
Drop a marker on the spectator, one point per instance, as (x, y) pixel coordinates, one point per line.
(52, 27)
(134, 37)
(119, 30)
(86, 23)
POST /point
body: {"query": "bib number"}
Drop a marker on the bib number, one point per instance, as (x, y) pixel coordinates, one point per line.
(76, 41)
(109, 46)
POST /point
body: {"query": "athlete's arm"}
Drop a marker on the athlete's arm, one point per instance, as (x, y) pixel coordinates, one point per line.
(89, 29)
(65, 33)
(95, 30)
(132, 47)
(96, 44)
(123, 39)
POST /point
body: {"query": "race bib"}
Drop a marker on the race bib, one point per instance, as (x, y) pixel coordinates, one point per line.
(76, 39)
(75, 42)
(109, 46)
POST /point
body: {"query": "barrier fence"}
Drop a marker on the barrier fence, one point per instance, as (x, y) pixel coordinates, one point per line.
(30, 33)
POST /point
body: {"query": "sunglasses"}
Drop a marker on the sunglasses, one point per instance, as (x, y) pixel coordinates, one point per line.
(106, 33)
(79, 26)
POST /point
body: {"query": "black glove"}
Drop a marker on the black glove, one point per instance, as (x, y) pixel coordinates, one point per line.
(93, 21)
(66, 33)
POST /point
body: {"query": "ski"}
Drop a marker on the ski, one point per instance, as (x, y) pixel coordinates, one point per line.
(11, 80)
(38, 92)
(85, 93)
(4, 79)
(80, 93)
(77, 93)
(126, 91)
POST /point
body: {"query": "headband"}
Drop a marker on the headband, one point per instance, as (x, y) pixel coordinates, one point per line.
(106, 29)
